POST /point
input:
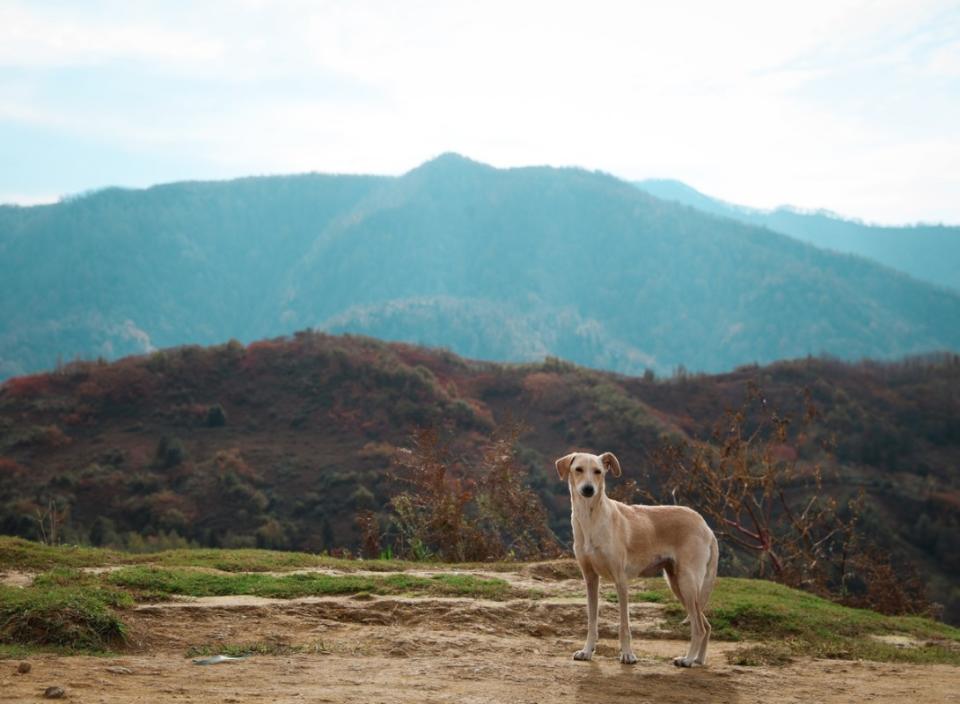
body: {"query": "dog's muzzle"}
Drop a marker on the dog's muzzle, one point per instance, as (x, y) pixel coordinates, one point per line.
(587, 490)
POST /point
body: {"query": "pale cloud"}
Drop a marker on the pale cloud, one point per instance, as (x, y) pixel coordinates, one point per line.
(944, 61)
(35, 36)
(28, 199)
(848, 105)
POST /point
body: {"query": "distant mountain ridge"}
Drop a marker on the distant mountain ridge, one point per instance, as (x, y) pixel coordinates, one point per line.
(498, 264)
(928, 252)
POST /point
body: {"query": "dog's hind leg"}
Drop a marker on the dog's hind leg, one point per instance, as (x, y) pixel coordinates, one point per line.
(705, 629)
(669, 573)
(706, 588)
(689, 587)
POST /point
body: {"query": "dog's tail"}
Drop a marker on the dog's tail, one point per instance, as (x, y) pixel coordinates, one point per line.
(706, 587)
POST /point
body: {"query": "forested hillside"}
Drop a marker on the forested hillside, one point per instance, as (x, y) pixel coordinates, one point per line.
(123, 271)
(280, 443)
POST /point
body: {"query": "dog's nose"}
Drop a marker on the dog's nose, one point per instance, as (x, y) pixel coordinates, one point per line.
(587, 490)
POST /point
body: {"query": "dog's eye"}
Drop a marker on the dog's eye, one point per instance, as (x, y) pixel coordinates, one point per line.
(578, 469)
(596, 471)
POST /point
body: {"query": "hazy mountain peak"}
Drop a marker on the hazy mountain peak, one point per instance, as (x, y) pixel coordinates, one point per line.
(451, 162)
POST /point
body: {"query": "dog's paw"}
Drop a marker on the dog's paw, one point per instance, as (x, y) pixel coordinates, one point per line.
(628, 658)
(583, 655)
(683, 662)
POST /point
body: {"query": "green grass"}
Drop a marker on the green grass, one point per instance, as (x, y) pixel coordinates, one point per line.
(14, 651)
(649, 595)
(20, 554)
(151, 581)
(72, 618)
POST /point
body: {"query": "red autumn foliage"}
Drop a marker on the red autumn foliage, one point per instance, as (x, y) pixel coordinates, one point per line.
(9, 469)
(30, 385)
(458, 512)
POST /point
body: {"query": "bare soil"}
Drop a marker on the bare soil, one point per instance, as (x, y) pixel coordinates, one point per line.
(388, 649)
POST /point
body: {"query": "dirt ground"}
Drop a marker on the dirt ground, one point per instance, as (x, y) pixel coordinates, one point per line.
(387, 649)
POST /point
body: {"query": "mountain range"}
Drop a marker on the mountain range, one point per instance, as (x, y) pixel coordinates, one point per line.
(497, 264)
(927, 252)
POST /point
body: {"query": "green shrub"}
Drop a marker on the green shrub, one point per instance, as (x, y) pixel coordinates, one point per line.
(170, 452)
(216, 416)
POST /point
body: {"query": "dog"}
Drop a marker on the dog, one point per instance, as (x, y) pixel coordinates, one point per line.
(619, 542)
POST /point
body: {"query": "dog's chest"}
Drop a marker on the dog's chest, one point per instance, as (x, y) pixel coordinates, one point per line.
(593, 544)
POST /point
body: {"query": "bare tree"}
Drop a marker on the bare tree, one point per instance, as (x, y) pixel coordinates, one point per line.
(761, 499)
(50, 521)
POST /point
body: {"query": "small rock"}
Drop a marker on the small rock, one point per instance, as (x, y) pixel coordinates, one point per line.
(54, 693)
(23, 668)
(217, 659)
(120, 670)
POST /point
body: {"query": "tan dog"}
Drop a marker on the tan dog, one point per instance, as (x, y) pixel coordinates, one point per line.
(620, 542)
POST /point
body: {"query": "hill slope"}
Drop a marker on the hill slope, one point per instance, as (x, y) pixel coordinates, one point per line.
(928, 252)
(497, 264)
(281, 443)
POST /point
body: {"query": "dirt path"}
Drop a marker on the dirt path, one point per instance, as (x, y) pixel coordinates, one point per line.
(437, 650)
(501, 673)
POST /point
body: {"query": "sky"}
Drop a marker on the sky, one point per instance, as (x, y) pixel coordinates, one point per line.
(844, 105)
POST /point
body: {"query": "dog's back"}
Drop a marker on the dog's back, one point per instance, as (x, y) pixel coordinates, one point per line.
(663, 538)
(677, 528)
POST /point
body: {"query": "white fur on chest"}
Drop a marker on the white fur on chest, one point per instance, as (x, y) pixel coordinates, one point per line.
(592, 540)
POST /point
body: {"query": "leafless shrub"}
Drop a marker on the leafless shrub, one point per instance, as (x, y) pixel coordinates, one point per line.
(458, 511)
(509, 513)
(50, 520)
(369, 533)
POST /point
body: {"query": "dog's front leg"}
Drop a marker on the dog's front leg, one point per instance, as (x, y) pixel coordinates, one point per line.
(592, 580)
(623, 600)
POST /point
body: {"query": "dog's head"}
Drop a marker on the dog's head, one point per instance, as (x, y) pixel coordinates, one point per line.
(584, 473)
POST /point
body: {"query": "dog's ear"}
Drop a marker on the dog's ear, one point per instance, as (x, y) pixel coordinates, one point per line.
(563, 465)
(611, 462)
